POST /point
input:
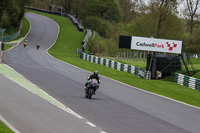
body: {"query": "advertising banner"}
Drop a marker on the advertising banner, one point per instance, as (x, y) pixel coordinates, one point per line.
(157, 45)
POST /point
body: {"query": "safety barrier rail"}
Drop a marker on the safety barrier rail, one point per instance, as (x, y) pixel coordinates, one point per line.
(85, 40)
(115, 65)
(10, 37)
(75, 21)
(187, 81)
(42, 10)
(71, 17)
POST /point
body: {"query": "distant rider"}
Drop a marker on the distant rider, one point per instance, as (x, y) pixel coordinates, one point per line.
(25, 43)
(38, 45)
(95, 75)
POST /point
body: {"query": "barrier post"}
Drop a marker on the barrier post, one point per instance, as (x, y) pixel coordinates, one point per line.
(2, 32)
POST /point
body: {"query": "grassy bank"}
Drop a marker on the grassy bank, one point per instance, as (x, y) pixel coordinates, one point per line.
(70, 39)
(24, 31)
(4, 128)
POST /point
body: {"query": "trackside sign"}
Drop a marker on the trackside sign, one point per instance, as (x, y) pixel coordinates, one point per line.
(157, 45)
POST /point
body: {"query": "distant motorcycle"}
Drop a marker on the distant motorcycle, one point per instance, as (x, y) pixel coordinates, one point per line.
(91, 88)
(38, 45)
(25, 43)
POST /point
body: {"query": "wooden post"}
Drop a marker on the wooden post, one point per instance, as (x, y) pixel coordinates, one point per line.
(156, 74)
(137, 56)
(124, 53)
(144, 55)
(140, 55)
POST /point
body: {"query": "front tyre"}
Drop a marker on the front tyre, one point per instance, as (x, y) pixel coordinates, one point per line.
(91, 92)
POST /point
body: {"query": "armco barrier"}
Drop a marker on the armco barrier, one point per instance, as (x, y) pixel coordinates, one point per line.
(71, 17)
(74, 20)
(115, 65)
(85, 40)
(42, 10)
(10, 37)
(187, 81)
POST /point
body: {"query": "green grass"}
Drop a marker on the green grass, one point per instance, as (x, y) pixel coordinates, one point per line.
(141, 64)
(70, 39)
(4, 128)
(25, 29)
(10, 30)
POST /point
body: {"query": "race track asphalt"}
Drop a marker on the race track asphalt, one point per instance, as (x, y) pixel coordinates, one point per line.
(116, 107)
(29, 113)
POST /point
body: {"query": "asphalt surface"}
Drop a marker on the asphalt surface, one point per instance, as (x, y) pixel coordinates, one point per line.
(29, 113)
(116, 107)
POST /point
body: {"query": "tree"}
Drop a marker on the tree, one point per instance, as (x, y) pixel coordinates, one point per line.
(11, 13)
(145, 25)
(160, 9)
(3, 6)
(158, 19)
(67, 4)
(129, 9)
(105, 9)
(190, 13)
(71, 6)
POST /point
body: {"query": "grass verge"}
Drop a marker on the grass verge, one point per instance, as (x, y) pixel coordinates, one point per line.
(70, 39)
(25, 29)
(4, 128)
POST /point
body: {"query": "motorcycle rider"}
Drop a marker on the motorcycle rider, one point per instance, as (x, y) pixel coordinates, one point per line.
(25, 43)
(95, 75)
(38, 45)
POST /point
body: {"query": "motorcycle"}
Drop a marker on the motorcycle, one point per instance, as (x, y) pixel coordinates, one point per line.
(91, 88)
(25, 44)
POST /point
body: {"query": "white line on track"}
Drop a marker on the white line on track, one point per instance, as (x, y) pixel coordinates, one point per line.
(91, 124)
(132, 86)
(9, 125)
(63, 107)
(122, 82)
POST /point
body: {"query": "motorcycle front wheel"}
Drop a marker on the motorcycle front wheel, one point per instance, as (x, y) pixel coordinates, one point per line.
(91, 92)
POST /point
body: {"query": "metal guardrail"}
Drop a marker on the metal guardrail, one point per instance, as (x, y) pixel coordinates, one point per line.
(115, 65)
(75, 21)
(10, 37)
(71, 17)
(85, 40)
(42, 10)
(187, 81)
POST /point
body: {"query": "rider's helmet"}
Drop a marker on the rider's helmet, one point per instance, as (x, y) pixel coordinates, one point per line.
(96, 73)
(25, 41)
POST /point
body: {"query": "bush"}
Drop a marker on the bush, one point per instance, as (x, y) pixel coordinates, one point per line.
(102, 46)
(103, 27)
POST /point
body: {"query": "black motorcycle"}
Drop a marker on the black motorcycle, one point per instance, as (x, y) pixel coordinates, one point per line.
(91, 88)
